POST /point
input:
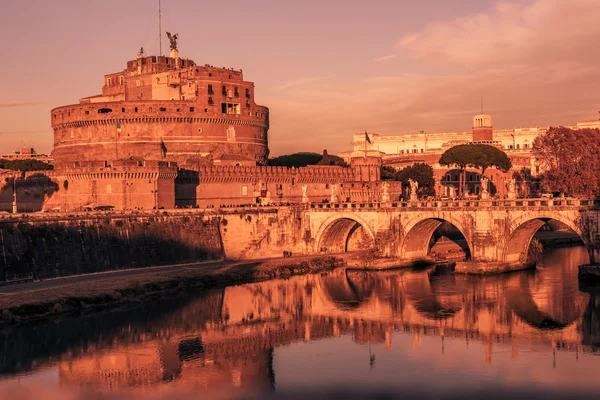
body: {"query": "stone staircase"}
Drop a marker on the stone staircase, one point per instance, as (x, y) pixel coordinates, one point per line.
(251, 244)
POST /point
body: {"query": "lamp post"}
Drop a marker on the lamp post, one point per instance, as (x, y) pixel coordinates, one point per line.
(14, 205)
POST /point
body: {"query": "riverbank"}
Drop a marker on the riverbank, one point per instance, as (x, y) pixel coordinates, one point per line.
(55, 300)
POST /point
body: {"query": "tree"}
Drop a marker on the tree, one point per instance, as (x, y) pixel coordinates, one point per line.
(570, 160)
(388, 173)
(524, 178)
(476, 155)
(423, 174)
(303, 159)
(25, 165)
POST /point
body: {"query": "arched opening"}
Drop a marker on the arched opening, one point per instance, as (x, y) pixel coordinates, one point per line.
(542, 305)
(436, 237)
(343, 235)
(433, 294)
(347, 290)
(547, 232)
(104, 110)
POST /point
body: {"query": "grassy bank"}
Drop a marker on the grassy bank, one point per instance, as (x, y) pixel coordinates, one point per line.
(46, 303)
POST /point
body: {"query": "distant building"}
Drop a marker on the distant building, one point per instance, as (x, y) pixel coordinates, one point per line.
(400, 151)
(27, 153)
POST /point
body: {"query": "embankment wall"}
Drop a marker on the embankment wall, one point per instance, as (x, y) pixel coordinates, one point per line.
(87, 244)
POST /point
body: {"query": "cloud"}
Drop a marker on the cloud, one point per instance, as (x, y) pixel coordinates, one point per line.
(386, 58)
(22, 104)
(543, 31)
(300, 82)
(535, 64)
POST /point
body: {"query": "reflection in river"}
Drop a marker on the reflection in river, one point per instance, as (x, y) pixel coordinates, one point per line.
(346, 333)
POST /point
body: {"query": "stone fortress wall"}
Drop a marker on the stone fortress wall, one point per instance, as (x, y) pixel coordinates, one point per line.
(156, 130)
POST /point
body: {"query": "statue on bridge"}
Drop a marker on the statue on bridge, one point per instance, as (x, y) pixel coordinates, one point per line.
(305, 194)
(385, 196)
(511, 189)
(414, 185)
(334, 196)
(484, 194)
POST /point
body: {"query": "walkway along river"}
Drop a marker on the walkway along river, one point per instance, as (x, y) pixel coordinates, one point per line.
(337, 334)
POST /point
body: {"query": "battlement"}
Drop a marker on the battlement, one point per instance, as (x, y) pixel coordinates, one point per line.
(317, 173)
(139, 111)
(120, 169)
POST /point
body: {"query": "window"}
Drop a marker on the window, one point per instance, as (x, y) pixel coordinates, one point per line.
(86, 113)
(244, 190)
(247, 104)
(247, 93)
(163, 109)
(190, 85)
(209, 74)
(518, 146)
(230, 108)
(224, 90)
(104, 110)
(121, 80)
(211, 101)
(136, 110)
(526, 145)
(236, 92)
(192, 109)
(123, 109)
(210, 89)
(108, 82)
(179, 109)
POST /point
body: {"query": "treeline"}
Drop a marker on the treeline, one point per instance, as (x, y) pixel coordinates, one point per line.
(569, 161)
(304, 159)
(25, 165)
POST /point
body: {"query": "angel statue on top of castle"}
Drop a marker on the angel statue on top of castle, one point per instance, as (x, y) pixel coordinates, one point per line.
(173, 40)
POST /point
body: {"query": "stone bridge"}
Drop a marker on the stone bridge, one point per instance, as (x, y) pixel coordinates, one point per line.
(494, 230)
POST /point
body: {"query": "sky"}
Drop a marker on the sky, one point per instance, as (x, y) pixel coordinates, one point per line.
(325, 68)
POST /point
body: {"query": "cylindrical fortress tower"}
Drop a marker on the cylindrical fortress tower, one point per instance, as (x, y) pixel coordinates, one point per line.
(164, 108)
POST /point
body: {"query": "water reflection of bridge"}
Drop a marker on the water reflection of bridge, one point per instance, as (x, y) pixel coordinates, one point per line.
(227, 339)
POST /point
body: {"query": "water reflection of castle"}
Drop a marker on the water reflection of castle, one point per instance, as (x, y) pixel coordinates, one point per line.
(226, 340)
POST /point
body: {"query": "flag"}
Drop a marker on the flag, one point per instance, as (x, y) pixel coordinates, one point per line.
(367, 137)
(163, 148)
(118, 129)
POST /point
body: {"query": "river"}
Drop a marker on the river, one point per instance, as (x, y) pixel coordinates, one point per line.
(406, 333)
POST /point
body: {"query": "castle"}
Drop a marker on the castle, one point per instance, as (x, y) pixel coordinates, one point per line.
(167, 133)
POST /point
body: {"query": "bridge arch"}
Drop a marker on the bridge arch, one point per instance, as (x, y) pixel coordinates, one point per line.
(336, 232)
(523, 229)
(418, 233)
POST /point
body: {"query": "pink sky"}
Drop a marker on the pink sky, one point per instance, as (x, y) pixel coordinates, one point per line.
(326, 69)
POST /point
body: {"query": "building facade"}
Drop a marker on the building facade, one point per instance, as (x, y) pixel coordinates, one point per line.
(400, 151)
